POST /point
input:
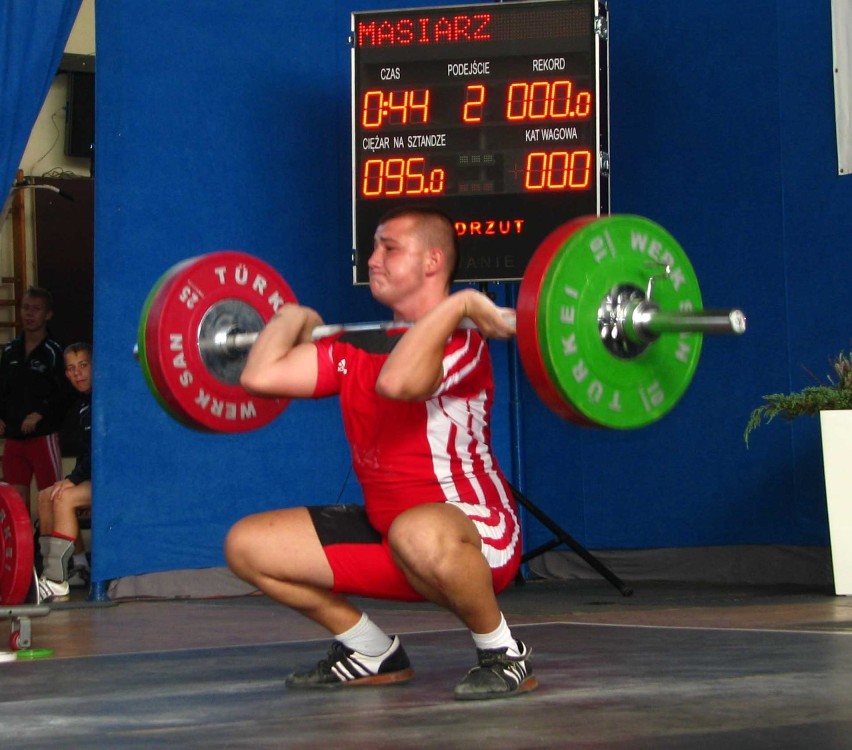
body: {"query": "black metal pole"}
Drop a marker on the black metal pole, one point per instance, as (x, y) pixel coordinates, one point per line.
(566, 538)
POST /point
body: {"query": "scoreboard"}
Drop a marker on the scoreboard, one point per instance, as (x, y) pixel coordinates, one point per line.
(496, 113)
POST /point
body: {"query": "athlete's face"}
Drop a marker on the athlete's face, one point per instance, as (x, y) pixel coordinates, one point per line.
(34, 314)
(78, 369)
(398, 264)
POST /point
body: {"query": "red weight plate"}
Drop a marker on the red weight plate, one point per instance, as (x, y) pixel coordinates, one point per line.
(154, 375)
(527, 321)
(171, 332)
(16, 547)
(149, 338)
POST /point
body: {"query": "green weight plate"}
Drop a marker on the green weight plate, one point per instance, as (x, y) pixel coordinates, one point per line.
(612, 391)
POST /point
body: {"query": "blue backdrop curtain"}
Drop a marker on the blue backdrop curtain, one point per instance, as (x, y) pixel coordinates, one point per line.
(33, 34)
(226, 125)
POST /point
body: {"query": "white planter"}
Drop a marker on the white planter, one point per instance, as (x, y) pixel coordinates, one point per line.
(836, 429)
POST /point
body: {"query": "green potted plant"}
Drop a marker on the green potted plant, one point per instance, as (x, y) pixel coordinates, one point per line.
(833, 402)
(825, 396)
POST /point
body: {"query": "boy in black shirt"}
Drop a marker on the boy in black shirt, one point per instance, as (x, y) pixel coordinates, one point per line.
(58, 505)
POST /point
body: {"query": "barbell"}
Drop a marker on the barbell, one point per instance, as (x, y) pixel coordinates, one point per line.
(609, 327)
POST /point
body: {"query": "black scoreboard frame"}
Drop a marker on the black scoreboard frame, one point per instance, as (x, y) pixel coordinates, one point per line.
(497, 114)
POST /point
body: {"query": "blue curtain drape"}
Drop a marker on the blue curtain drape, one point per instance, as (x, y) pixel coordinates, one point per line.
(33, 34)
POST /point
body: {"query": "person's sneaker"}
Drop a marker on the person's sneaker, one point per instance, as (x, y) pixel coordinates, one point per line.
(53, 591)
(79, 576)
(343, 666)
(498, 675)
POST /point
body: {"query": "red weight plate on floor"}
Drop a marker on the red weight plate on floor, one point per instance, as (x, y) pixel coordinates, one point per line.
(527, 324)
(16, 547)
(194, 302)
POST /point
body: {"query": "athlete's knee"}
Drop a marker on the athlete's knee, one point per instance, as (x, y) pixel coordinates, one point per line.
(410, 536)
(71, 498)
(238, 546)
(243, 543)
(425, 546)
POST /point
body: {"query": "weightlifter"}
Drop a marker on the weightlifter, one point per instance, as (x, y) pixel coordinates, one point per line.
(439, 522)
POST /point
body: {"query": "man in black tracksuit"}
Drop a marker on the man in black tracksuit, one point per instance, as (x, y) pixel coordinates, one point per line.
(34, 396)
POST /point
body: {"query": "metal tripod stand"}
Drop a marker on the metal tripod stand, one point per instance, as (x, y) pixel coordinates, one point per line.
(563, 537)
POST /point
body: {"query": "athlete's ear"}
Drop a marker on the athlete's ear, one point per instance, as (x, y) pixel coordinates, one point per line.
(435, 260)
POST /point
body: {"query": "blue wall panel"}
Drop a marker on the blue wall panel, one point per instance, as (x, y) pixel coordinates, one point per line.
(226, 127)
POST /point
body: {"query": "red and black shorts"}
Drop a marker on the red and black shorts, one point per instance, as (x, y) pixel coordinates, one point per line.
(363, 564)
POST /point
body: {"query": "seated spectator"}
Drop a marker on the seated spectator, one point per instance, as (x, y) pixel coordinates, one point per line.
(58, 505)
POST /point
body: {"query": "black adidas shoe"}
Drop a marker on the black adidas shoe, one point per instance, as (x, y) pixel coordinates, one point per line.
(498, 675)
(343, 666)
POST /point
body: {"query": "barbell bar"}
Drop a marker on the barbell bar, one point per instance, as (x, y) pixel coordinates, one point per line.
(233, 342)
(609, 328)
(639, 323)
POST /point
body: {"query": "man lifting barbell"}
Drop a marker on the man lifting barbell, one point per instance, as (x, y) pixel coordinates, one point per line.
(609, 331)
(439, 521)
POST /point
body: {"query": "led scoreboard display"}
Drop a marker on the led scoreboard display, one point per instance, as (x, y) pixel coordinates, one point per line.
(494, 113)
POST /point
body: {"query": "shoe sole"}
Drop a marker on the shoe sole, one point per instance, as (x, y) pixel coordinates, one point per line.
(527, 686)
(376, 680)
(55, 598)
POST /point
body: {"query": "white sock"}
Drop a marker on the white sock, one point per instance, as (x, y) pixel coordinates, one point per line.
(80, 560)
(501, 637)
(366, 638)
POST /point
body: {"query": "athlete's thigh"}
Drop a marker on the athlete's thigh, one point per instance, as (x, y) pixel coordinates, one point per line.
(432, 529)
(500, 535)
(281, 544)
(360, 558)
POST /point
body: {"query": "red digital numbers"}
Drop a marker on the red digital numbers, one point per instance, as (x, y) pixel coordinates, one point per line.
(546, 100)
(524, 101)
(398, 107)
(474, 102)
(397, 176)
(527, 105)
(558, 170)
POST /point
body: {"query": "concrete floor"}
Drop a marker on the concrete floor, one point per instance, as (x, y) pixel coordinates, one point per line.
(673, 666)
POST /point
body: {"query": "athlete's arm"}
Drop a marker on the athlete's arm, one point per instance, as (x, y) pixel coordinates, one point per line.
(283, 360)
(414, 369)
